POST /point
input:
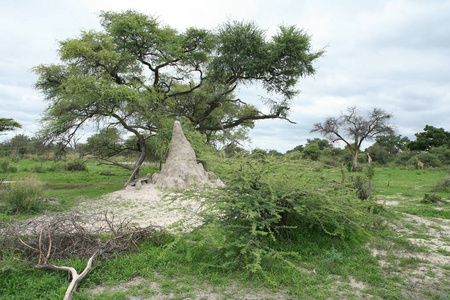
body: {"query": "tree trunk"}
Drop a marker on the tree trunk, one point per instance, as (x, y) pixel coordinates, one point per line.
(139, 161)
(355, 161)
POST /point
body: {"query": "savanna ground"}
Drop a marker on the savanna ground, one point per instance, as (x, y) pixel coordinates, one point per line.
(406, 255)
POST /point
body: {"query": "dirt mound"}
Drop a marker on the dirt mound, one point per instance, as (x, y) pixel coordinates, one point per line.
(181, 169)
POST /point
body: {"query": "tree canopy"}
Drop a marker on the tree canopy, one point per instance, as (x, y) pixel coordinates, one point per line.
(353, 128)
(137, 72)
(430, 137)
(8, 125)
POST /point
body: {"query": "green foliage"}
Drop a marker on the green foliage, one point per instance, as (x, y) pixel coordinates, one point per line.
(75, 164)
(428, 159)
(25, 195)
(311, 151)
(38, 168)
(379, 154)
(266, 198)
(363, 185)
(391, 143)
(444, 185)
(298, 148)
(106, 143)
(5, 167)
(430, 137)
(431, 198)
(138, 73)
(322, 143)
(442, 153)
(8, 124)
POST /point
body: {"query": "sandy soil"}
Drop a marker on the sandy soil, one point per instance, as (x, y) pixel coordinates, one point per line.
(145, 206)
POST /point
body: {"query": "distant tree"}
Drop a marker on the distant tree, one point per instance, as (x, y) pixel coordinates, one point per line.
(20, 144)
(311, 151)
(298, 148)
(137, 73)
(233, 149)
(378, 153)
(273, 152)
(430, 137)
(392, 143)
(322, 143)
(105, 144)
(8, 125)
(353, 128)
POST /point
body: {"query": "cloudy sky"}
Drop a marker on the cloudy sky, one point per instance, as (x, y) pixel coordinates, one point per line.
(389, 54)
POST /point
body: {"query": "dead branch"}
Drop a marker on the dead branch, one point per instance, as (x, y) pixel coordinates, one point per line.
(72, 234)
(343, 174)
(76, 278)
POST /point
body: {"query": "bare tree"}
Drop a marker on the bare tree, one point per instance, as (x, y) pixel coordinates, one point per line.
(353, 128)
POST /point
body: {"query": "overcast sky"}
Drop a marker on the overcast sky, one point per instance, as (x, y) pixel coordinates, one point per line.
(392, 54)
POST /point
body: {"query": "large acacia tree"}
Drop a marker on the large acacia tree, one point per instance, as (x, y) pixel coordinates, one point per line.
(136, 72)
(353, 128)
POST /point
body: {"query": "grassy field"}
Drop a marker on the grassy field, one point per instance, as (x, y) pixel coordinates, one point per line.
(406, 256)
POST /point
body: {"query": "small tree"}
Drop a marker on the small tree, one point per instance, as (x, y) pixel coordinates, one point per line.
(353, 128)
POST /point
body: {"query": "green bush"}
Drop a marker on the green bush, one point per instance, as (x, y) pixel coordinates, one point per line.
(38, 168)
(267, 198)
(428, 159)
(24, 195)
(75, 165)
(444, 185)
(431, 198)
(363, 185)
(311, 151)
(442, 153)
(4, 166)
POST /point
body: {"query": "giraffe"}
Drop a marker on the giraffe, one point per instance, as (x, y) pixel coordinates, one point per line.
(419, 164)
(369, 159)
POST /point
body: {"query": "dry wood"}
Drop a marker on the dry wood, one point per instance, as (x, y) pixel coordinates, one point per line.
(73, 235)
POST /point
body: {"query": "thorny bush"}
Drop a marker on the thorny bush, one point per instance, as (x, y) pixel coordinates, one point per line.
(266, 197)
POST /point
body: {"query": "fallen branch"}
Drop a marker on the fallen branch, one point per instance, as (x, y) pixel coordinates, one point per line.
(73, 235)
(76, 278)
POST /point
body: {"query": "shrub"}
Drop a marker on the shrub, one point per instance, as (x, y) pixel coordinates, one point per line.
(429, 160)
(442, 153)
(442, 186)
(363, 186)
(38, 168)
(264, 199)
(75, 165)
(4, 166)
(431, 198)
(25, 195)
(311, 151)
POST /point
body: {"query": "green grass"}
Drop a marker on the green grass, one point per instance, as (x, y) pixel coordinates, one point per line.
(70, 187)
(319, 267)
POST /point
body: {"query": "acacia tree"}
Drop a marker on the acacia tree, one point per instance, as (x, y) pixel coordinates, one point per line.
(353, 128)
(136, 73)
(8, 125)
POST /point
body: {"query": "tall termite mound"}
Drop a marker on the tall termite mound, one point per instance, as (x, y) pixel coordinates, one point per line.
(181, 168)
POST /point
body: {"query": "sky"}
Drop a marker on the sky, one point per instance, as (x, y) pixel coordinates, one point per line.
(388, 54)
